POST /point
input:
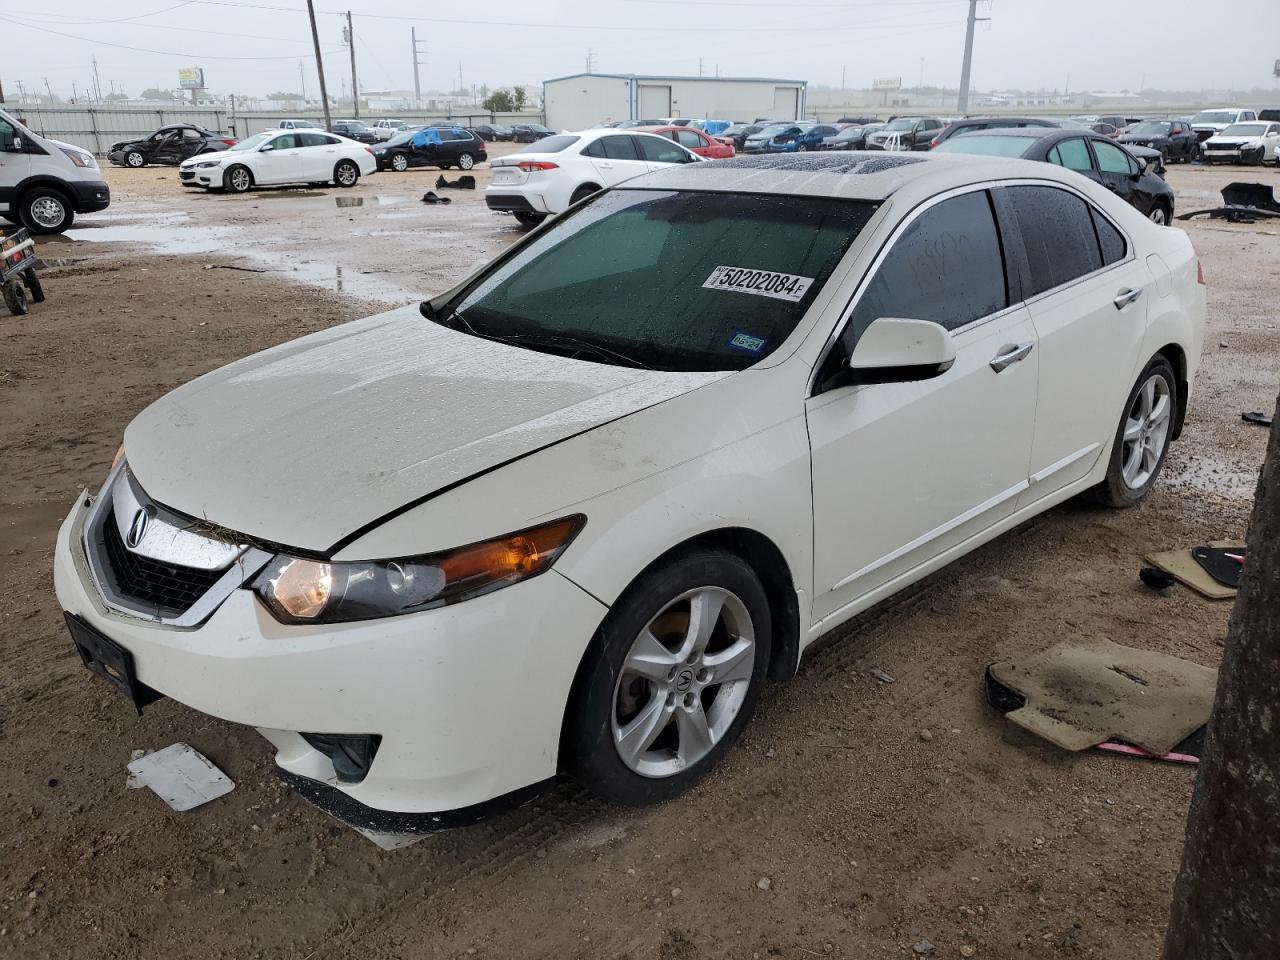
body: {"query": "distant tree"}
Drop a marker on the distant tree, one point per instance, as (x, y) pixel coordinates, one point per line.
(518, 97)
(116, 96)
(500, 101)
(155, 93)
(281, 95)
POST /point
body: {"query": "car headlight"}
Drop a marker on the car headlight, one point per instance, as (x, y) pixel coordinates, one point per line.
(207, 164)
(300, 590)
(80, 158)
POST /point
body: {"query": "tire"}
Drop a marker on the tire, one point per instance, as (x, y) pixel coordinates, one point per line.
(15, 298)
(466, 161)
(399, 163)
(134, 159)
(238, 179)
(45, 210)
(679, 719)
(527, 218)
(1159, 215)
(1128, 480)
(346, 173)
(584, 191)
(33, 285)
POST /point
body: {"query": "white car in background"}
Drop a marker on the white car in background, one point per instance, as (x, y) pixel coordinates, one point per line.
(573, 513)
(1211, 122)
(551, 174)
(385, 129)
(279, 157)
(1250, 142)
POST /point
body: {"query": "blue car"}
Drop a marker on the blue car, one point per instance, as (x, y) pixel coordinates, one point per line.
(802, 136)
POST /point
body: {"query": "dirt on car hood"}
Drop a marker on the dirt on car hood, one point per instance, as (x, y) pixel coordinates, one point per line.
(302, 444)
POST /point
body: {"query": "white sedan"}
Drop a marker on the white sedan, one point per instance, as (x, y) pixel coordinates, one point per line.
(1255, 142)
(550, 175)
(573, 513)
(280, 157)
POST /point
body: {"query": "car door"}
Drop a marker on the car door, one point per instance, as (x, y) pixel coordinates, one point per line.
(1119, 173)
(905, 470)
(692, 140)
(1087, 297)
(15, 162)
(318, 154)
(278, 161)
(618, 160)
(163, 146)
(658, 153)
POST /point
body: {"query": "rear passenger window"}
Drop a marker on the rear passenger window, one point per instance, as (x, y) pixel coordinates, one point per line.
(687, 138)
(946, 267)
(619, 148)
(657, 150)
(1072, 154)
(1057, 234)
(1109, 237)
(1111, 159)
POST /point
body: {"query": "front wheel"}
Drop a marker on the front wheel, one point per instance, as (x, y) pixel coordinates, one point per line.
(1159, 215)
(346, 173)
(671, 678)
(15, 298)
(45, 210)
(238, 179)
(134, 159)
(1142, 439)
(399, 163)
(466, 161)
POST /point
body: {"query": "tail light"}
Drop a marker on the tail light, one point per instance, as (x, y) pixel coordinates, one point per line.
(528, 166)
(229, 141)
(934, 142)
(1200, 274)
(369, 151)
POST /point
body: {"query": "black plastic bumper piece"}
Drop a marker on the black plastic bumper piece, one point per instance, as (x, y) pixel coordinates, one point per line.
(509, 203)
(351, 754)
(352, 812)
(89, 196)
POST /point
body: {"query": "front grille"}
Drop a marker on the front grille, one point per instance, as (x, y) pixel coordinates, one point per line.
(168, 588)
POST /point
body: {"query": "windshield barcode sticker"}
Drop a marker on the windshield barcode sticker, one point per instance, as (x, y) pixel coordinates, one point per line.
(762, 283)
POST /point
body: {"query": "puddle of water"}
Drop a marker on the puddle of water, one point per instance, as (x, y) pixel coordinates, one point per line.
(349, 201)
(165, 238)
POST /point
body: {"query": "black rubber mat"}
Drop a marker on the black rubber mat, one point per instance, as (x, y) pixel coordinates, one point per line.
(1224, 564)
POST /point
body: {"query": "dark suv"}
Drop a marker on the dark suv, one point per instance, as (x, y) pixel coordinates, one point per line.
(442, 147)
(970, 124)
(1173, 138)
(356, 130)
(909, 133)
(171, 144)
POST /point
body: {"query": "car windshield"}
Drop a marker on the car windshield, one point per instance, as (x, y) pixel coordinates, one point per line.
(732, 130)
(552, 144)
(1150, 128)
(985, 146)
(1214, 116)
(668, 280)
(1245, 130)
(400, 138)
(774, 129)
(902, 123)
(251, 143)
(849, 133)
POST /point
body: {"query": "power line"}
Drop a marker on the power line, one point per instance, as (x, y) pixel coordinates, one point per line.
(26, 20)
(62, 21)
(163, 53)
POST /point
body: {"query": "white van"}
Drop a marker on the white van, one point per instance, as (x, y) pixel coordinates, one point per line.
(45, 183)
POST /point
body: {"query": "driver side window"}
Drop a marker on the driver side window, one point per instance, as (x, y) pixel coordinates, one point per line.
(1111, 159)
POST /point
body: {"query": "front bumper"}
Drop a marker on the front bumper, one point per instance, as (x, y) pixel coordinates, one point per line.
(468, 699)
(195, 177)
(1220, 154)
(89, 196)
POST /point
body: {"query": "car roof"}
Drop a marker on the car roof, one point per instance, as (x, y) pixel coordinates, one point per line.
(1031, 133)
(664, 128)
(850, 175)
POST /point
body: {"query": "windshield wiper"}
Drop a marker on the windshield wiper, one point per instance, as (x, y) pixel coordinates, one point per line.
(572, 344)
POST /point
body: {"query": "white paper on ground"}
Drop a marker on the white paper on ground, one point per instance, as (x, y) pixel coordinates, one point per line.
(181, 776)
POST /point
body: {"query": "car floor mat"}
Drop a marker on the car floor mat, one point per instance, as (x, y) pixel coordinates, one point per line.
(1080, 695)
(1254, 416)
(1184, 566)
(1224, 564)
(432, 197)
(464, 182)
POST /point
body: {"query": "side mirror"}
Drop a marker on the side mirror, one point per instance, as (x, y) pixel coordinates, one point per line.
(897, 349)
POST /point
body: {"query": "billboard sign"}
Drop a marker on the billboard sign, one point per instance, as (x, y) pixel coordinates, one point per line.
(191, 78)
(887, 83)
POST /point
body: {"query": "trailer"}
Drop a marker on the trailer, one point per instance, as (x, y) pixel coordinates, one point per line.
(18, 271)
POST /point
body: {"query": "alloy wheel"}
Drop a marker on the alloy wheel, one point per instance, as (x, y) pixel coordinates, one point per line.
(1158, 216)
(48, 212)
(240, 180)
(400, 163)
(683, 682)
(1146, 432)
(347, 174)
(134, 159)
(466, 161)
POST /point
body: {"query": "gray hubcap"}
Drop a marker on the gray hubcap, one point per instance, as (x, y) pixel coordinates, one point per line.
(399, 162)
(683, 682)
(466, 162)
(240, 179)
(1146, 431)
(134, 159)
(48, 212)
(346, 174)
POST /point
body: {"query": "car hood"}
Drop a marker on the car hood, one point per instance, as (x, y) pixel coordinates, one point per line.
(1222, 140)
(305, 443)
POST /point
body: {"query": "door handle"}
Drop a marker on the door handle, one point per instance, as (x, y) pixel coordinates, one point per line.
(1010, 354)
(1126, 297)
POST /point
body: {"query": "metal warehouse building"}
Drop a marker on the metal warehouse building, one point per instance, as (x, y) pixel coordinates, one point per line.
(586, 99)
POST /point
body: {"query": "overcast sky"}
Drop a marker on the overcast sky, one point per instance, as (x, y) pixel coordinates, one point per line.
(1092, 44)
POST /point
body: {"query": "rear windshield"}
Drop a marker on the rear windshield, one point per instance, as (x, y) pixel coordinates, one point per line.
(666, 280)
(1150, 128)
(549, 144)
(1245, 130)
(985, 146)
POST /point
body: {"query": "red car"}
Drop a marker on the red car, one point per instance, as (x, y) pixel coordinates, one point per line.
(697, 141)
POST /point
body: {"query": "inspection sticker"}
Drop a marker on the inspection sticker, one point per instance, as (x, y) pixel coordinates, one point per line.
(762, 283)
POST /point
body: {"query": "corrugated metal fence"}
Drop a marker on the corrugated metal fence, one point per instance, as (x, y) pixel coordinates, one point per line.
(97, 128)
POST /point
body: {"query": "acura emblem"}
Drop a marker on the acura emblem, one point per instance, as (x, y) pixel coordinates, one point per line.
(137, 529)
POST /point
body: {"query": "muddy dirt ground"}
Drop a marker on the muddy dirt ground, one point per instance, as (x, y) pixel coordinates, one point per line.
(871, 834)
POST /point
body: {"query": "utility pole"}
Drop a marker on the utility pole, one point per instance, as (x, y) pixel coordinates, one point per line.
(590, 57)
(22, 93)
(302, 78)
(965, 70)
(315, 40)
(351, 42)
(417, 84)
(48, 91)
(97, 83)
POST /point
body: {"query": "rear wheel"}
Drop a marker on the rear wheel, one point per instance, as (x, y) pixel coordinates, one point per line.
(671, 679)
(238, 179)
(1142, 439)
(45, 210)
(33, 284)
(528, 218)
(346, 173)
(584, 191)
(15, 298)
(466, 161)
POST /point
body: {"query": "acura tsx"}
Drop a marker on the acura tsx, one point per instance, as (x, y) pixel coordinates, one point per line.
(570, 516)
